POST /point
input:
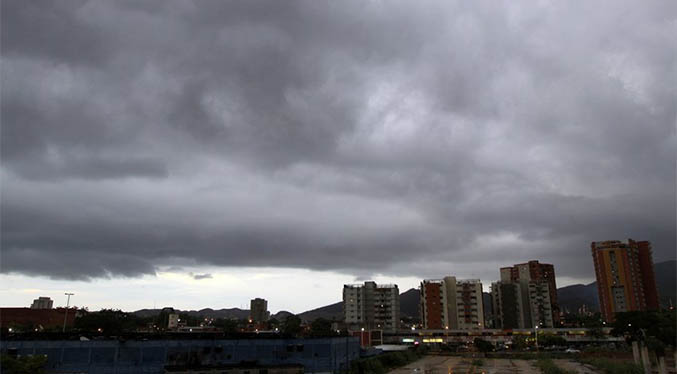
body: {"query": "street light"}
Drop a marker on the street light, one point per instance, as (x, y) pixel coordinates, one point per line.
(68, 303)
(536, 331)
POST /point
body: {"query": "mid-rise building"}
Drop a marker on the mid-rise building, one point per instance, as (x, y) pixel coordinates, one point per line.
(372, 306)
(625, 277)
(451, 304)
(540, 311)
(508, 310)
(537, 273)
(42, 303)
(258, 310)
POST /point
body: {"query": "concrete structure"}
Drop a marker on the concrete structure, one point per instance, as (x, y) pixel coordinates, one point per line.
(258, 310)
(129, 356)
(371, 306)
(571, 335)
(522, 304)
(625, 277)
(42, 303)
(237, 369)
(540, 307)
(173, 321)
(508, 311)
(451, 304)
(533, 271)
(368, 338)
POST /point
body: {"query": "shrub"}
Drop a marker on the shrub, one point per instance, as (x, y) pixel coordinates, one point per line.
(549, 367)
(23, 365)
(384, 362)
(614, 367)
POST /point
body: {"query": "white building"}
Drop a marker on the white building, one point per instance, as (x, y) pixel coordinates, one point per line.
(452, 304)
(372, 306)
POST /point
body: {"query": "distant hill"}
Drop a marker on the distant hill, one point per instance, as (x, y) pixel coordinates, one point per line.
(409, 303)
(281, 315)
(231, 313)
(332, 312)
(571, 298)
(666, 280)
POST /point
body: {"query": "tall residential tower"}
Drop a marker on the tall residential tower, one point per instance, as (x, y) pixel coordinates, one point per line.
(625, 277)
(258, 310)
(372, 306)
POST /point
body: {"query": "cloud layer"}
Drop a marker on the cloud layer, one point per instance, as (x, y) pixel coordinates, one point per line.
(362, 137)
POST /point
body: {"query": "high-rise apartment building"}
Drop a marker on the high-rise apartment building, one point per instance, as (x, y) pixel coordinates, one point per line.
(372, 306)
(625, 277)
(258, 310)
(451, 304)
(537, 273)
(42, 303)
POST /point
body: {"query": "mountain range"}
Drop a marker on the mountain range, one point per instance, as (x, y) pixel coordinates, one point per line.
(570, 298)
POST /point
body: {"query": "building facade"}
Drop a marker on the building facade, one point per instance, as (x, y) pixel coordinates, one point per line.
(371, 306)
(625, 277)
(537, 274)
(508, 311)
(42, 303)
(155, 356)
(28, 319)
(258, 310)
(451, 304)
(540, 310)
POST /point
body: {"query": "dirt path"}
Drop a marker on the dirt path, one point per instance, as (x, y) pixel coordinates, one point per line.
(575, 366)
(525, 367)
(460, 365)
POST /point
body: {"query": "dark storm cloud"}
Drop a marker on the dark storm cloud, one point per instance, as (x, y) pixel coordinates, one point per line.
(363, 137)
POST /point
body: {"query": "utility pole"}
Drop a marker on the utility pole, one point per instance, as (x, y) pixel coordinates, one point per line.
(68, 303)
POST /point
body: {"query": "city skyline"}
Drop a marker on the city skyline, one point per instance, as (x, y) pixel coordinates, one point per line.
(174, 154)
(234, 299)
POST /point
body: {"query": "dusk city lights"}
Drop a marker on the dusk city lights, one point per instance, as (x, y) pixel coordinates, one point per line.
(344, 187)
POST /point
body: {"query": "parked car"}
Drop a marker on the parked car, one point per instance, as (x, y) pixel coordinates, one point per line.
(572, 350)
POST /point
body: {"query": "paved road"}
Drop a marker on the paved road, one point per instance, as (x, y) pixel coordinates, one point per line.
(459, 365)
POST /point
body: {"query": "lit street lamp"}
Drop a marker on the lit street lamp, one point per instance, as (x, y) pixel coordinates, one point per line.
(68, 303)
(536, 331)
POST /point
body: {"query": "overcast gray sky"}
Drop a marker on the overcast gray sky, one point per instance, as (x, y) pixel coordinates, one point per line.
(361, 139)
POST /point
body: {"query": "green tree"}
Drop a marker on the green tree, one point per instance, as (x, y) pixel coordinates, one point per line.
(191, 320)
(597, 333)
(291, 325)
(483, 345)
(273, 324)
(320, 327)
(642, 325)
(228, 325)
(108, 321)
(23, 365)
(519, 342)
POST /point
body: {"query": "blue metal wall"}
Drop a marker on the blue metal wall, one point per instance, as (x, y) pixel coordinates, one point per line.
(323, 355)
